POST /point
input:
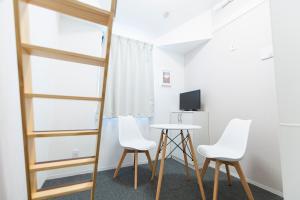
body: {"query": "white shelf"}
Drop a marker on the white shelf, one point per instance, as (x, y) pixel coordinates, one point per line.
(184, 47)
(183, 111)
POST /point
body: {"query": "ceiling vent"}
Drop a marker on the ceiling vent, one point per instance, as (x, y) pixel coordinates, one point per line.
(222, 5)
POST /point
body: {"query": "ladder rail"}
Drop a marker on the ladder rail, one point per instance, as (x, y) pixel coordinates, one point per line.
(108, 45)
(27, 142)
(24, 51)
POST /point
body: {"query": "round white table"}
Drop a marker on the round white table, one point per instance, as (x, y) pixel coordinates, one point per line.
(186, 143)
(175, 126)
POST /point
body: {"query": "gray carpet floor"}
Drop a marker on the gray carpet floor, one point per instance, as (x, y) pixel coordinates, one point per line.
(175, 186)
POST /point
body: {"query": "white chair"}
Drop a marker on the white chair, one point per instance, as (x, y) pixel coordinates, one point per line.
(229, 150)
(133, 141)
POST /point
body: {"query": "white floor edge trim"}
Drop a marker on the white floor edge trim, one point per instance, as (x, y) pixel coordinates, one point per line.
(234, 174)
(85, 171)
(267, 188)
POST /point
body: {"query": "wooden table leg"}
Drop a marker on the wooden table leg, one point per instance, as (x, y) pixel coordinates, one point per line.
(156, 156)
(162, 164)
(184, 155)
(196, 167)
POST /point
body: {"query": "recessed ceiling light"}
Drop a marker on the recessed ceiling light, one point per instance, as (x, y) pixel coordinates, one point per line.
(166, 14)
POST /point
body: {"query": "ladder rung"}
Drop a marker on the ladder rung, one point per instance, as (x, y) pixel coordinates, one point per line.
(49, 96)
(62, 133)
(61, 164)
(63, 55)
(46, 194)
(76, 9)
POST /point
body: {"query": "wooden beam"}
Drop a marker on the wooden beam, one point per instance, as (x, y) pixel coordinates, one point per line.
(63, 55)
(49, 96)
(25, 84)
(75, 8)
(61, 164)
(46, 194)
(41, 134)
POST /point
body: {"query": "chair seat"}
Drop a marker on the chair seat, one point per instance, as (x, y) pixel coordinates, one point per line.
(139, 144)
(219, 152)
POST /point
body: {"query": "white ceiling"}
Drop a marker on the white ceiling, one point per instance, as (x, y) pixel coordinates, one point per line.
(147, 15)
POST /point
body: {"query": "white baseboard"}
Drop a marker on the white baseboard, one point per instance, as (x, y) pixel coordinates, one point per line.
(86, 171)
(67, 174)
(257, 184)
(123, 165)
(182, 161)
(234, 174)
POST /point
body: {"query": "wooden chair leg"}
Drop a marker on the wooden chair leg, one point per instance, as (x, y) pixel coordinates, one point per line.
(156, 156)
(243, 180)
(184, 155)
(228, 175)
(216, 180)
(204, 168)
(120, 163)
(135, 169)
(149, 160)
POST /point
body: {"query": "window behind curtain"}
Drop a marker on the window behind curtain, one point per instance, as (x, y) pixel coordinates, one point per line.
(130, 79)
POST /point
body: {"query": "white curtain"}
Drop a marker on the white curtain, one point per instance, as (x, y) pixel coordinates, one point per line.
(130, 79)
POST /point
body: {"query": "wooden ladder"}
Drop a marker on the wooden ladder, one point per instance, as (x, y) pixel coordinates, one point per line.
(83, 11)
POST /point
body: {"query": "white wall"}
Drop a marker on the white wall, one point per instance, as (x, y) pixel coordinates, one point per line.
(166, 98)
(12, 170)
(195, 29)
(110, 150)
(61, 32)
(243, 66)
(236, 83)
(65, 78)
(2, 184)
(286, 31)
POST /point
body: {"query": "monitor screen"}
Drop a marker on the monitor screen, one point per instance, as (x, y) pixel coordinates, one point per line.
(190, 101)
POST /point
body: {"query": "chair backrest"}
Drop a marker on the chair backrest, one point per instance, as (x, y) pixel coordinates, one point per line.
(236, 135)
(128, 129)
